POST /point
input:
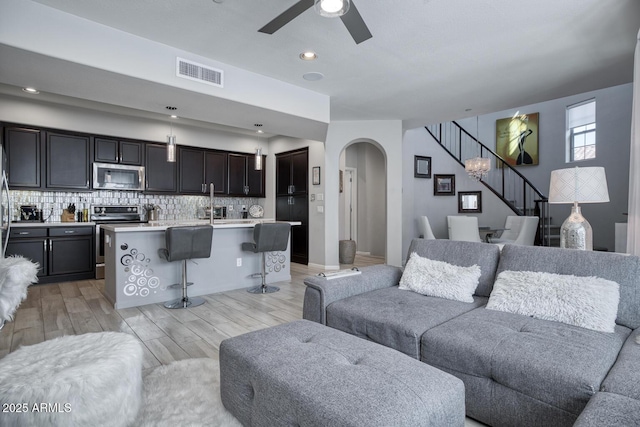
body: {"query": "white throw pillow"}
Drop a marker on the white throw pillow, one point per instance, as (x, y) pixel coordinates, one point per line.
(588, 302)
(440, 279)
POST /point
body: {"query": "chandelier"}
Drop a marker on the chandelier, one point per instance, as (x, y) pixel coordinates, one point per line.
(477, 168)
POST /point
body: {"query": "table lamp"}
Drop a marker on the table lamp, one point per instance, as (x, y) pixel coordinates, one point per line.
(578, 185)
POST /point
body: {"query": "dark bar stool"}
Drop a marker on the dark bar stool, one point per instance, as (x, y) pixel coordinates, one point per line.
(184, 243)
(267, 237)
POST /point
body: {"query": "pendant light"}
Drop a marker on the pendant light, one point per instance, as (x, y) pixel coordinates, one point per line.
(258, 160)
(171, 146)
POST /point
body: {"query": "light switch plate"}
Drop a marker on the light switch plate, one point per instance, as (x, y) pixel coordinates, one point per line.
(320, 197)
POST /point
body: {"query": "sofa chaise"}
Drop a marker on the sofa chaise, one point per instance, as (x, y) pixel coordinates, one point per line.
(518, 369)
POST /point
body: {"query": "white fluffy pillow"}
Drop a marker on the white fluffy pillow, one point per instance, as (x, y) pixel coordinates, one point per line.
(588, 302)
(440, 279)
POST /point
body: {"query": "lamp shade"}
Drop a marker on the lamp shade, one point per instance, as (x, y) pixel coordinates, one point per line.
(582, 185)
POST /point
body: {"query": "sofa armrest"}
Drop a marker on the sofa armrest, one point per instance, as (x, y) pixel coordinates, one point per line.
(321, 292)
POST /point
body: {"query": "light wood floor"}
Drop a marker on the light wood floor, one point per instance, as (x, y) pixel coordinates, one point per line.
(74, 308)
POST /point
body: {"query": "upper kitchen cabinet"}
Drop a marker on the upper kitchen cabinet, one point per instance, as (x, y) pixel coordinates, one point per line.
(114, 151)
(23, 149)
(68, 161)
(162, 176)
(244, 180)
(199, 168)
(292, 173)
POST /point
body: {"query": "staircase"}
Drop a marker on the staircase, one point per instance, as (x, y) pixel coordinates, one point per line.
(516, 191)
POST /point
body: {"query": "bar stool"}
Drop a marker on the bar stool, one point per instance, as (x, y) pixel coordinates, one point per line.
(184, 243)
(267, 237)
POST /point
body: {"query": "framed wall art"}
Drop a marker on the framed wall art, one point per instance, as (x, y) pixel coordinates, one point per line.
(517, 139)
(470, 202)
(444, 185)
(421, 167)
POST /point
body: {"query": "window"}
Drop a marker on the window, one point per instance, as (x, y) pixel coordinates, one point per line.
(581, 131)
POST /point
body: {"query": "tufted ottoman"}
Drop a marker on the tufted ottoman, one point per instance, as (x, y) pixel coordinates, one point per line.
(303, 373)
(82, 380)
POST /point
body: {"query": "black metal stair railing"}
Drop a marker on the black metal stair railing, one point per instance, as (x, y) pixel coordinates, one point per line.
(514, 189)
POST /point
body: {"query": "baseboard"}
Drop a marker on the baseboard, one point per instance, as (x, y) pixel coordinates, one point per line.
(324, 267)
(363, 253)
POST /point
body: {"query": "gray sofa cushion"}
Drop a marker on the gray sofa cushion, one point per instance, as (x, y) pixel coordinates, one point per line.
(622, 269)
(624, 377)
(610, 410)
(321, 292)
(464, 254)
(393, 317)
(560, 366)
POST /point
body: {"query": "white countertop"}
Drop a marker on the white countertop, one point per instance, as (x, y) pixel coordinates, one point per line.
(163, 225)
(50, 224)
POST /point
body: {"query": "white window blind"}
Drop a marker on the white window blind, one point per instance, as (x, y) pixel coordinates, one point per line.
(581, 114)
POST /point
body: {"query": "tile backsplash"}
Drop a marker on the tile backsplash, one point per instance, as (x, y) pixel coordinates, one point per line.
(171, 207)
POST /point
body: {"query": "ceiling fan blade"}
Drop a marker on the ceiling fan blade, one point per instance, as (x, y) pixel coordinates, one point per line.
(286, 16)
(355, 24)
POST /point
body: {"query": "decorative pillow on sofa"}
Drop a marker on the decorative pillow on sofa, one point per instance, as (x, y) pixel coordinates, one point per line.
(440, 279)
(588, 302)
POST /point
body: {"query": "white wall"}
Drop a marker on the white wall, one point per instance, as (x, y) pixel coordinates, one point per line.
(613, 116)
(281, 144)
(370, 165)
(613, 137)
(57, 116)
(418, 198)
(386, 135)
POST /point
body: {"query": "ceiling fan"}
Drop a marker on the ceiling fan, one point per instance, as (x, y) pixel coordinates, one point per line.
(351, 19)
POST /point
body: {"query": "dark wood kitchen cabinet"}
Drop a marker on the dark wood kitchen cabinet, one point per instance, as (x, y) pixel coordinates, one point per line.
(63, 253)
(161, 176)
(244, 180)
(115, 151)
(23, 148)
(292, 201)
(68, 161)
(199, 168)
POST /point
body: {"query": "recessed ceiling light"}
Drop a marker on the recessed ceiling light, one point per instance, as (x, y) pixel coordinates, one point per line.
(260, 131)
(313, 76)
(31, 90)
(308, 55)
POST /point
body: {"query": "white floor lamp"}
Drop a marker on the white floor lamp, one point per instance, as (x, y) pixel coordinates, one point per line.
(578, 185)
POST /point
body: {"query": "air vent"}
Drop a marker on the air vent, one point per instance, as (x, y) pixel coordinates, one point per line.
(198, 72)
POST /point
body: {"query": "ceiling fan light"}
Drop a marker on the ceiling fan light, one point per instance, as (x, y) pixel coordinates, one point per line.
(331, 8)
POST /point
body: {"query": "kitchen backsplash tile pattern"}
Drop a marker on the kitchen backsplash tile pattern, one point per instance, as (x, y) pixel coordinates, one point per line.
(171, 207)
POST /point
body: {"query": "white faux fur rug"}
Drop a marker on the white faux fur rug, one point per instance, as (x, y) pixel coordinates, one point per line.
(184, 393)
(187, 394)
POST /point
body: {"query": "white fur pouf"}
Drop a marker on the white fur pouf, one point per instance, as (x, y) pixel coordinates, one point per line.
(81, 380)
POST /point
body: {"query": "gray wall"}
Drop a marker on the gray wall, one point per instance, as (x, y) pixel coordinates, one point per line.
(418, 198)
(370, 163)
(613, 120)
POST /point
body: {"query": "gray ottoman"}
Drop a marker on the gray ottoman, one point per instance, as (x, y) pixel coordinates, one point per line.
(306, 374)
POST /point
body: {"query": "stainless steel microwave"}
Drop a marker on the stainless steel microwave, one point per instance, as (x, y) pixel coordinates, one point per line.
(107, 176)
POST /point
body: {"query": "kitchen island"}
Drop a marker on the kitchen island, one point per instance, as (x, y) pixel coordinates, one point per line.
(136, 275)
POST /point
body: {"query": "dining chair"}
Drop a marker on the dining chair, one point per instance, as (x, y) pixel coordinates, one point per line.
(424, 228)
(519, 230)
(463, 228)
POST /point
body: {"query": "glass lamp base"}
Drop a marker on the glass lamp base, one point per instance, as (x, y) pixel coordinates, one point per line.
(576, 232)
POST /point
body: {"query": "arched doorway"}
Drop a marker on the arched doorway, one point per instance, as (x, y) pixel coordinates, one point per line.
(362, 202)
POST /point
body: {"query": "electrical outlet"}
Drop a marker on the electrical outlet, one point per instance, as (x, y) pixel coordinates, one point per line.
(313, 197)
(320, 209)
(238, 262)
(230, 208)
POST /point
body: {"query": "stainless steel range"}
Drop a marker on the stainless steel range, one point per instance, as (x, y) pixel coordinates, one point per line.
(101, 214)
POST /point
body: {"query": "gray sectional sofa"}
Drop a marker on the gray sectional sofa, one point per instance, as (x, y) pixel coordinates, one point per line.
(517, 370)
